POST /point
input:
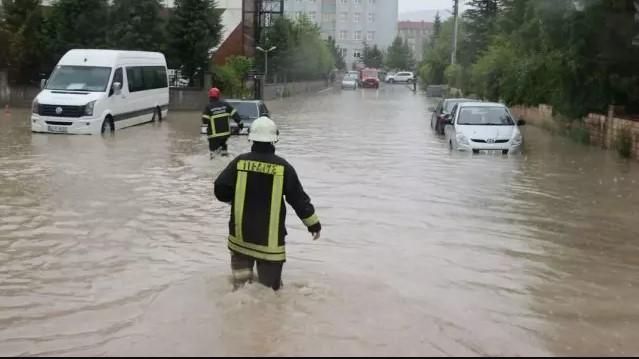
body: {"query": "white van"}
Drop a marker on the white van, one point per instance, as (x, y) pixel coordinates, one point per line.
(98, 91)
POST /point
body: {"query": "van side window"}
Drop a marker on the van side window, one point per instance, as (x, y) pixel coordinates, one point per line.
(263, 110)
(117, 77)
(142, 78)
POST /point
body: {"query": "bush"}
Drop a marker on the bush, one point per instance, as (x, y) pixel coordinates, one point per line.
(580, 134)
(624, 144)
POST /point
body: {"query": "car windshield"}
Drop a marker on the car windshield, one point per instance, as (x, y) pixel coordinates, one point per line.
(449, 104)
(245, 109)
(350, 77)
(80, 78)
(485, 116)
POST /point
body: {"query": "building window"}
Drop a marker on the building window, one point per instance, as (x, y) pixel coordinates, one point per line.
(357, 36)
(344, 2)
(298, 14)
(371, 17)
(312, 15)
(343, 35)
(356, 18)
(370, 36)
(357, 54)
(357, 2)
(343, 16)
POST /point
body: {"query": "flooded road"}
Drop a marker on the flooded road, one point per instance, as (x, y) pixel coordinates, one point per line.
(114, 245)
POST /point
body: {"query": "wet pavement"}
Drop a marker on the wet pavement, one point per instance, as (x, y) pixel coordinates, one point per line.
(114, 245)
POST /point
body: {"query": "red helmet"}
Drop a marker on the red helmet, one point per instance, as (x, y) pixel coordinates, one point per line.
(214, 93)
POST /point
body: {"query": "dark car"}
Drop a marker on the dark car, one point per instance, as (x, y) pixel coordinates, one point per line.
(443, 109)
(249, 111)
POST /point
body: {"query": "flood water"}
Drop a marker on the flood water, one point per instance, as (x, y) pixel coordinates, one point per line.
(115, 245)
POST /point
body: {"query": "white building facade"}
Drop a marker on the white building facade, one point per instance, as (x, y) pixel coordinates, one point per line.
(350, 22)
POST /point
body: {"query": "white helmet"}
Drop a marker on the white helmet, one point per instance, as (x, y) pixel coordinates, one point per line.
(263, 130)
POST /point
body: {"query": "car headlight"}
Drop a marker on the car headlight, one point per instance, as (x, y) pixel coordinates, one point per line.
(517, 139)
(88, 109)
(35, 108)
(462, 139)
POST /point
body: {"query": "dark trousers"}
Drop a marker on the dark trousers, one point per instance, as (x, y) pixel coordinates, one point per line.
(268, 273)
(218, 143)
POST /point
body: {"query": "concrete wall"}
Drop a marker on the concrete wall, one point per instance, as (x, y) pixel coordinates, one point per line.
(604, 130)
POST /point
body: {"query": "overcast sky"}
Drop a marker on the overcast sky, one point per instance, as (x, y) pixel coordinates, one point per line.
(412, 5)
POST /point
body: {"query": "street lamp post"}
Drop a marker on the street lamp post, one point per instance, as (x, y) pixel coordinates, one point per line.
(266, 60)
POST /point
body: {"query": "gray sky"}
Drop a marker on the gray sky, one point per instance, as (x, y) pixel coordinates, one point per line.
(412, 5)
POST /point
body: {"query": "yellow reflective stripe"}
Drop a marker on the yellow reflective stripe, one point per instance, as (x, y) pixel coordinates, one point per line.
(259, 255)
(240, 194)
(233, 112)
(256, 247)
(220, 115)
(261, 167)
(276, 206)
(310, 221)
(206, 117)
(242, 274)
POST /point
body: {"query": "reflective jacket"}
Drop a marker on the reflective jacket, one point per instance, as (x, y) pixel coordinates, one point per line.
(256, 184)
(216, 116)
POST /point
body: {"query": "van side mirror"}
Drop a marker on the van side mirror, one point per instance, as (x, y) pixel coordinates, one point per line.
(521, 123)
(43, 84)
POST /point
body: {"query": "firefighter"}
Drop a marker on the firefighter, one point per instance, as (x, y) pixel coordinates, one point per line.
(255, 184)
(216, 117)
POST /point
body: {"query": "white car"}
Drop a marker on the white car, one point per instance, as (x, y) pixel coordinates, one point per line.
(407, 77)
(349, 82)
(98, 91)
(483, 126)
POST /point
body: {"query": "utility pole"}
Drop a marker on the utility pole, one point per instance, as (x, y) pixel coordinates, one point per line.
(453, 59)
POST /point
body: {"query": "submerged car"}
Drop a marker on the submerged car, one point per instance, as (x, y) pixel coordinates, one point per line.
(483, 126)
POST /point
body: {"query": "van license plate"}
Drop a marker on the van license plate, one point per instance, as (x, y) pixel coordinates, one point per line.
(58, 129)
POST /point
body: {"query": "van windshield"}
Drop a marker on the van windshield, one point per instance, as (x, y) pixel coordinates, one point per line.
(79, 78)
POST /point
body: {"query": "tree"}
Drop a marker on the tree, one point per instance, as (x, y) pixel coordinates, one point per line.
(137, 25)
(437, 26)
(373, 57)
(337, 53)
(75, 24)
(195, 28)
(301, 53)
(481, 20)
(23, 35)
(400, 56)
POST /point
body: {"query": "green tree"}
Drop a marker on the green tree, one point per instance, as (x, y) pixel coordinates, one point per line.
(23, 35)
(337, 53)
(137, 25)
(480, 20)
(373, 57)
(399, 56)
(301, 53)
(194, 28)
(75, 24)
(437, 26)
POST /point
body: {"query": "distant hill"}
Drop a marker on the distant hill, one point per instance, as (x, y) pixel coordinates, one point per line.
(424, 15)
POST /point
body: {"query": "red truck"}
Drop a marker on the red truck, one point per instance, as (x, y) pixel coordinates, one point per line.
(369, 78)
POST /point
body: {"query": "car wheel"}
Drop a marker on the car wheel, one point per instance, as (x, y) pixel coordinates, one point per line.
(107, 125)
(475, 152)
(504, 152)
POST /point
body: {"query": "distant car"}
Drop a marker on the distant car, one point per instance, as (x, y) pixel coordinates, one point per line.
(443, 110)
(406, 77)
(369, 78)
(483, 126)
(249, 111)
(389, 76)
(349, 82)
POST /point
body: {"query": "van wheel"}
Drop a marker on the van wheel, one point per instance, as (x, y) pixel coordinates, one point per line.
(107, 125)
(157, 115)
(475, 152)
